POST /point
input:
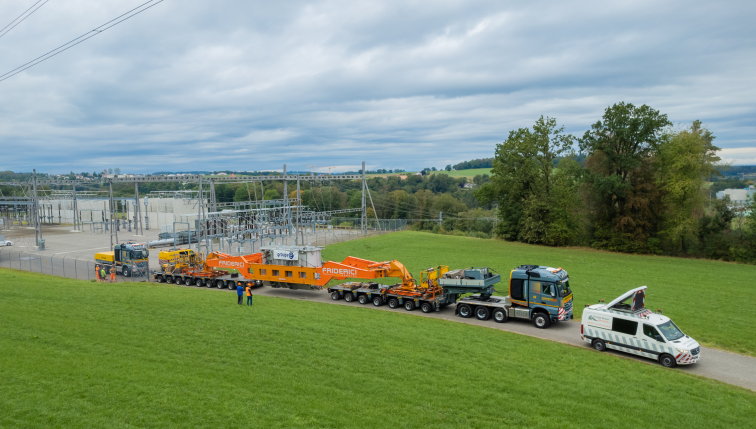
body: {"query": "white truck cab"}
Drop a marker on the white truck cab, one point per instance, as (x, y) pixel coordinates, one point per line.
(627, 326)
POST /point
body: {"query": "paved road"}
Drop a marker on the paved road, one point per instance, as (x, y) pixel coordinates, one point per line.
(724, 366)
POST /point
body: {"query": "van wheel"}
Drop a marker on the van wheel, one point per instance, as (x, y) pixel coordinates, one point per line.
(335, 296)
(393, 303)
(348, 297)
(377, 301)
(362, 299)
(465, 311)
(667, 361)
(541, 320)
(599, 345)
(482, 313)
(500, 315)
(426, 307)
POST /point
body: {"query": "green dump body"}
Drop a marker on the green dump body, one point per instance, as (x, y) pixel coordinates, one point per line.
(476, 280)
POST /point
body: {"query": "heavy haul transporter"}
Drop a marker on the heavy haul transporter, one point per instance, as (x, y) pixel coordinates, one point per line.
(539, 294)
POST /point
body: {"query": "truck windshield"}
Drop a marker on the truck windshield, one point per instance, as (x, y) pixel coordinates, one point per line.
(564, 289)
(140, 254)
(670, 331)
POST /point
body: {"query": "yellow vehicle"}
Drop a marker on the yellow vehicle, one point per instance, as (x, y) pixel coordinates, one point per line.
(126, 259)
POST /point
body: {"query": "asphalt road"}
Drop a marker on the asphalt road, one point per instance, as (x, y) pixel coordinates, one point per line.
(727, 367)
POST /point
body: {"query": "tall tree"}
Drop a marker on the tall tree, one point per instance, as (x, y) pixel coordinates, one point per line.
(686, 161)
(620, 176)
(525, 186)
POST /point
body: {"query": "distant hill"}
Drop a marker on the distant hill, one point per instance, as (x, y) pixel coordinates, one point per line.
(475, 163)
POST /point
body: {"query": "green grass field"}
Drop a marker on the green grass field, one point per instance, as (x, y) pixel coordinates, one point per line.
(81, 354)
(466, 173)
(709, 300)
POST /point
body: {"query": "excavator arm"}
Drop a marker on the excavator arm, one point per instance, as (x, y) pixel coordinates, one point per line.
(356, 268)
(223, 260)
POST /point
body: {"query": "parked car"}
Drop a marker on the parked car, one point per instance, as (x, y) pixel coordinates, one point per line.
(6, 243)
(626, 325)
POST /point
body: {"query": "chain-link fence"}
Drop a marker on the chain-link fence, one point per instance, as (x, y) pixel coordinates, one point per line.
(71, 267)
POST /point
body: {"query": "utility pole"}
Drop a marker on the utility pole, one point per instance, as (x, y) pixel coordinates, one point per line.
(113, 221)
(363, 226)
(299, 208)
(199, 218)
(35, 204)
(137, 210)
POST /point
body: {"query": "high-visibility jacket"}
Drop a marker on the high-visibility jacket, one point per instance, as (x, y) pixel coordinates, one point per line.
(249, 291)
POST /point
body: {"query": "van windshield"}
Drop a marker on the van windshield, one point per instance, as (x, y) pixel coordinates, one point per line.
(671, 331)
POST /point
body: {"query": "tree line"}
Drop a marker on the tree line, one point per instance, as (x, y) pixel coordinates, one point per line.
(644, 187)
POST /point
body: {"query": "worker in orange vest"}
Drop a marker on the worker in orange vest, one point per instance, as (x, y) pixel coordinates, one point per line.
(97, 271)
(249, 294)
(112, 274)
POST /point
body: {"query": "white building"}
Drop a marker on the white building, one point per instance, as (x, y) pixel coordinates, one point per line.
(737, 196)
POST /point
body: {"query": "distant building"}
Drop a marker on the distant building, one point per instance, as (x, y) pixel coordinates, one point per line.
(737, 196)
(222, 174)
(403, 177)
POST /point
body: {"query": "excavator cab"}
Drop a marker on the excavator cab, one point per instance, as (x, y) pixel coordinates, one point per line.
(429, 277)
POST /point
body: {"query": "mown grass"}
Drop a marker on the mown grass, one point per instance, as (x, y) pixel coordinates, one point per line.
(711, 301)
(81, 354)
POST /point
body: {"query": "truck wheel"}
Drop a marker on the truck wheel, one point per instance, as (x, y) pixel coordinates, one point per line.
(465, 311)
(377, 301)
(482, 313)
(348, 297)
(667, 361)
(229, 285)
(335, 295)
(500, 315)
(362, 299)
(160, 279)
(126, 272)
(393, 303)
(541, 320)
(168, 279)
(427, 307)
(409, 305)
(599, 345)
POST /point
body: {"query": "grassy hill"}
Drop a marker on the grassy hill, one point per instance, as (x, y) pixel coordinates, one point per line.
(709, 300)
(81, 354)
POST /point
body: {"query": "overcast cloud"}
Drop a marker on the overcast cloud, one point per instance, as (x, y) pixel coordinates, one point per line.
(248, 85)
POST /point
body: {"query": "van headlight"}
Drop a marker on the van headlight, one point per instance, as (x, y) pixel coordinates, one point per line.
(683, 350)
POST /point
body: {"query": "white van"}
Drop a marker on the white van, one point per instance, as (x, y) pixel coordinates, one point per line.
(626, 325)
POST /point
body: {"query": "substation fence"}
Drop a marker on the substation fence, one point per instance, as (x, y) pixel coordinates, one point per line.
(338, 230)
(80, 268)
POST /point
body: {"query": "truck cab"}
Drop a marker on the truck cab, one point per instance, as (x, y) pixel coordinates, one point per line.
(541, 289)
(126, 259)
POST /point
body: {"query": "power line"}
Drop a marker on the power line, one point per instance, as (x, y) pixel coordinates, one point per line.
(83, 37)
(27, 10)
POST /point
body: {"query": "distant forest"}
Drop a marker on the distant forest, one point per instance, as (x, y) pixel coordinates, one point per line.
(475, 163)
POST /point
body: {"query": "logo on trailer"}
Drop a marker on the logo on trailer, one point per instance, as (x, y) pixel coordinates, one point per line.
(286, 255)
(231, 264)
(340, 272)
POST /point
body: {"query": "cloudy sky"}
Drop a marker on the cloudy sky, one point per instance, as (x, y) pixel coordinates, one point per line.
(251, 85)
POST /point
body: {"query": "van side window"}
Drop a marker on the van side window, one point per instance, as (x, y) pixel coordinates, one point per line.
(516, 289)
(624, 326)
(651, 332)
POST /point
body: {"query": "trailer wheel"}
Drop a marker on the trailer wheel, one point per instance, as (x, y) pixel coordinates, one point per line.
(482, 313)
(393, 303)
(198, 282)
(335, 295)
(500, 315)
(667, 361)
(168, 279)
(377, 301)
(465, 311)
(409, 305)
(228, 285)
(541, 320)
(599, 345)
(427, 307)
(362, 299)
(348, 297)
(160, 279)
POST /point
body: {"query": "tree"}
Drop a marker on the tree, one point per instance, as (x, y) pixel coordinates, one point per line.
(525, 186)
(448, 167)
(620, 176)
(685, 162)
(110, 171)
(272, 194)
(117, 171)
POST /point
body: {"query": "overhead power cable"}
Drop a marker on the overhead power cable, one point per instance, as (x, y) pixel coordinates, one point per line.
(3, 32)
(86, 36)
